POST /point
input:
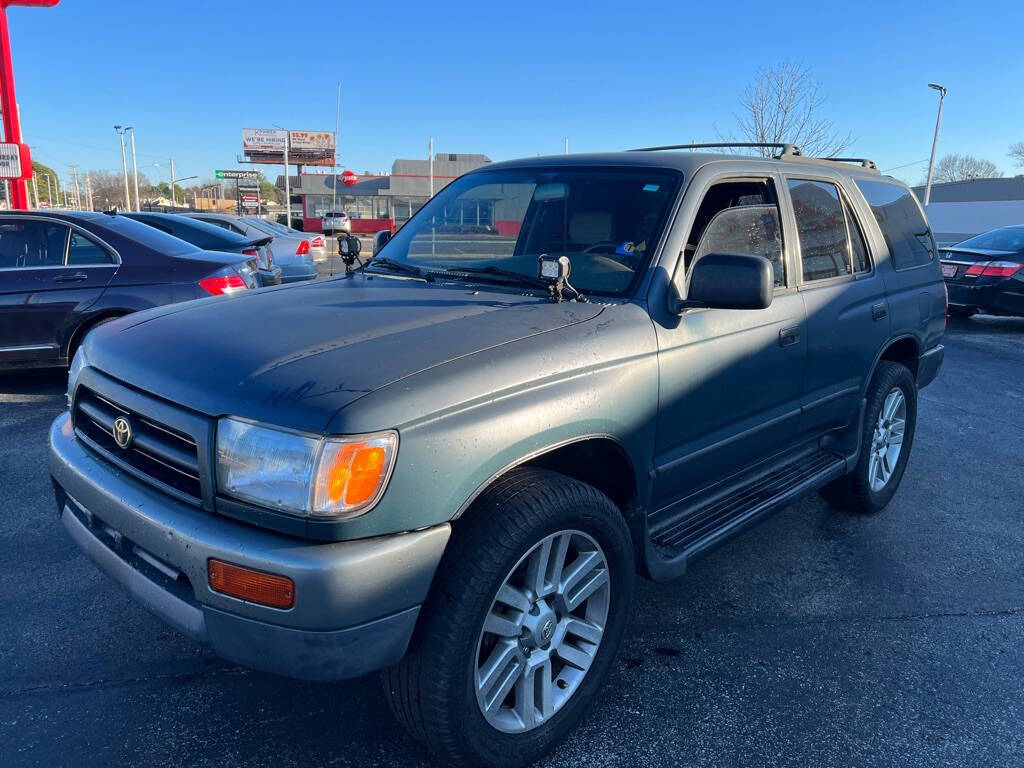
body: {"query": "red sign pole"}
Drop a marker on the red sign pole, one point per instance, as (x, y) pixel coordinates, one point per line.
(8, 100)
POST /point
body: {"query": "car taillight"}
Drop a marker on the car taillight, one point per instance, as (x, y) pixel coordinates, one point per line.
(994, 269)
(251, 252)
(303, 248)
(222, 284)
(317, 242)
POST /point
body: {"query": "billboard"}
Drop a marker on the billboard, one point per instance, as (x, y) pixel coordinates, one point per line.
(315, 140)
(265, 145)
(262, 140)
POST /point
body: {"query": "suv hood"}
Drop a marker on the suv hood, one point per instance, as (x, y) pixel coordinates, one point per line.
(295, 355)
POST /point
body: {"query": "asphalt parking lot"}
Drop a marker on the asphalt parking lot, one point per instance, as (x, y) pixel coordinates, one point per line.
(816, 639)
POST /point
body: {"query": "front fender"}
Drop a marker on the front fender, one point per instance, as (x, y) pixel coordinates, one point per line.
(495, 409)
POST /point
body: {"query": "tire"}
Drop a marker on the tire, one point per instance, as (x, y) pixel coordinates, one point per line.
(856, 492)
(433, 691)
(962, 312)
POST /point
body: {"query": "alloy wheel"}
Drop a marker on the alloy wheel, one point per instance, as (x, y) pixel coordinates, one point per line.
(887, 440)
(542, 631)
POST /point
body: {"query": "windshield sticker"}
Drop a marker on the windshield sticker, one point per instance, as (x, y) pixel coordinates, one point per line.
(651, 187)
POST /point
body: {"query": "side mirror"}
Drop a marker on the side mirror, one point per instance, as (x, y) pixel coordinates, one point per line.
(380, 240)
(727, 281)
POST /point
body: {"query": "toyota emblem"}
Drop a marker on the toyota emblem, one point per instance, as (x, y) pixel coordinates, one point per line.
(122, 432)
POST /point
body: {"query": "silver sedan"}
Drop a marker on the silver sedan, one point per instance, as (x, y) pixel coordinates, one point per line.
(293, 251)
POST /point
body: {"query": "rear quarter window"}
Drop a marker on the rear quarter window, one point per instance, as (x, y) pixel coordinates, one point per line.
(903, 225)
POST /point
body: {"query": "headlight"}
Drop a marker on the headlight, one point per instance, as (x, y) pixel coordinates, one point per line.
(74, 371)
(335, 477)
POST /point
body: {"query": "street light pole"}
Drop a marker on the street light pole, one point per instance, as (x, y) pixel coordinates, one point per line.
(124, 168)
(287, 182)
(135, 172)
(935, 141)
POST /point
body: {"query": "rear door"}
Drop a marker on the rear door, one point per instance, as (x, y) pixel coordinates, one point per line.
(844, 298)
(49, 274)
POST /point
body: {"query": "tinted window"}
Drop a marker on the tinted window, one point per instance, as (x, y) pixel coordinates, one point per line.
(821, 225)
(858, 250)
(140, 233)
(1006, 239)
(199, 233)
(899, 217)
(82, 251)
(28, 244)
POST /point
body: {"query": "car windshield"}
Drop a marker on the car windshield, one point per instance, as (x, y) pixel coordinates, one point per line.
(607, 221)
(1006, 239)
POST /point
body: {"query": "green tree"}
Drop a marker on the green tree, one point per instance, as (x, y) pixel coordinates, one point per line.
(41, 171)
(268, 192)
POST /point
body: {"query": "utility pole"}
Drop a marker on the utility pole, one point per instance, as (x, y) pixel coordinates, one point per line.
(88, 191)
(174, 202)
(35, 189)
(78, 192)
(135, 173)
(337, 123)
(567, 145)
(287, 182)
(124, 168)
(430, 152)
(935, 141)
(7, 193)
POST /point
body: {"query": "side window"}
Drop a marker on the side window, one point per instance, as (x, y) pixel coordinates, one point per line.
(27, 244)
(858, 249)
(821, 226)
(738, 217)
(84, 252)
(903, 225)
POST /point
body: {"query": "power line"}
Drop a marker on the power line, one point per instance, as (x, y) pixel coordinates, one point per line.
(906, 165)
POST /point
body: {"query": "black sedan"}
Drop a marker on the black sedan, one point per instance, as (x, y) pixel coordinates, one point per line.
(63, 273)
(212, 238)
(986, 273)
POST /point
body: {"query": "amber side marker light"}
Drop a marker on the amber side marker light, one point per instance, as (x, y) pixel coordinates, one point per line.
(248, 584)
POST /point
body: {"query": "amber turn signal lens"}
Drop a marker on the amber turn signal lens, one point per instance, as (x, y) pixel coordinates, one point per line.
(352, 473)
(248, 584)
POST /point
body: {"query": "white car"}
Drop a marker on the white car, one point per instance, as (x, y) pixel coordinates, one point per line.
(335, 221)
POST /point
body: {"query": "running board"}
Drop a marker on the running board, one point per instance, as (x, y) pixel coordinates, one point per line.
(684, 532)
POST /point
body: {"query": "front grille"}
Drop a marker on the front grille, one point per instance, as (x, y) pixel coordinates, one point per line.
(157, 452)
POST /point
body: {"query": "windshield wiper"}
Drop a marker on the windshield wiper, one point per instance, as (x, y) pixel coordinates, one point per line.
(492, 271)
(400, 266)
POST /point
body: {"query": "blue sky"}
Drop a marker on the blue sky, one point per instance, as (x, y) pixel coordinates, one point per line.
(505, 79)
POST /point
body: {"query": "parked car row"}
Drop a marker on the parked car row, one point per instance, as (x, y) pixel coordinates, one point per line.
(62, 273)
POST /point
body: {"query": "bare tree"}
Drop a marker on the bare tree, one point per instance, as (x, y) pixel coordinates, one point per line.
(1017, 152)
(956, 167)
(781, 106)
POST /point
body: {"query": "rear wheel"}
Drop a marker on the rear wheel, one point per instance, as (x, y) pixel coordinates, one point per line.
(890, 419)
(523, 622)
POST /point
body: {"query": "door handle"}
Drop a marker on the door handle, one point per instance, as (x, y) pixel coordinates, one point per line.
(879, 311)
(789, 336)
(74, 277)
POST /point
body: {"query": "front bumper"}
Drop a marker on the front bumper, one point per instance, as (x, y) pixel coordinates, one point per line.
(356, 602)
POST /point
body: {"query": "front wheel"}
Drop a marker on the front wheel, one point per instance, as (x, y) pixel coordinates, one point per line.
(890, 419)
(522, 625)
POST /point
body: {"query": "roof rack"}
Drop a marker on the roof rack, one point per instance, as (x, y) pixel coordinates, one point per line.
(787, 149)
(863, 162)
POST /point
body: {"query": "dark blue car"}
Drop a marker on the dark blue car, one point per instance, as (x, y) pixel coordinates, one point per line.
(63, 273)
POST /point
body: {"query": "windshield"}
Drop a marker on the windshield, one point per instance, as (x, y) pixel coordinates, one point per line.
(607, 221)
(1006, 239)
